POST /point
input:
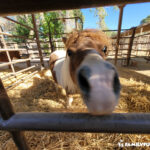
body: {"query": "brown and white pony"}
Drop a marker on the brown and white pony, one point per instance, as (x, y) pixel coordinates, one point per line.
(82, 66)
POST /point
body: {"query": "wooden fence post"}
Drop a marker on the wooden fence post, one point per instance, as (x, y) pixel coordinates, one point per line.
(37, 40)
(6, 111)
(130, 46)
(119, 30)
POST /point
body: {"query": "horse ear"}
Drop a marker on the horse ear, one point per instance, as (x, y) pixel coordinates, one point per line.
(64, 39)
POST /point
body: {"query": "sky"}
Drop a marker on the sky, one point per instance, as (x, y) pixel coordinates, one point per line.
(132, 15)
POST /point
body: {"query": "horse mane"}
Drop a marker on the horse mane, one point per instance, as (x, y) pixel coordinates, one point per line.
(56, 55)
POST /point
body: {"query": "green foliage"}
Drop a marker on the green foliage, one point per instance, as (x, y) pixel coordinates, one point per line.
(46, 49)
(46, 23)
(51, 26)
(20, 30)
(102, 13)
(145, 20)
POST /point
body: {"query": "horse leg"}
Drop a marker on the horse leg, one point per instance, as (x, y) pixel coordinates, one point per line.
(69, 100)
(68, 97)
(65, 94)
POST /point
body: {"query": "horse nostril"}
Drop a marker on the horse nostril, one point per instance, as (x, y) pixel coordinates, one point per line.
(83, 75)
(116, 85)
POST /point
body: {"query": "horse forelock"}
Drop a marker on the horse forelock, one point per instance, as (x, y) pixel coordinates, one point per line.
(96, 37)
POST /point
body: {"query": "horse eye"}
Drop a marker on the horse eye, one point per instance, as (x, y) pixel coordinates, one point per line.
(69, 52)
(105, 49)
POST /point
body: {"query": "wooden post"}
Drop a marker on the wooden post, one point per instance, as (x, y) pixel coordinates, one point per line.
(28, 62)
(119, 30)
(76, 23)
(50, 36)
(6, 111)
(7, 53)
(130, 46)
(37, 40)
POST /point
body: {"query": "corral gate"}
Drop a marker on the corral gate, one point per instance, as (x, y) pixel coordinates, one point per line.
(15, 123)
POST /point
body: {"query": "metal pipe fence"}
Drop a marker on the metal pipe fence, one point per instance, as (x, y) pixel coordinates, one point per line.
(78, 122)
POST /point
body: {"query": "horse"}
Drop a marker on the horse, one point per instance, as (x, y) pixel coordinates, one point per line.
(13, 54)
(83, 67)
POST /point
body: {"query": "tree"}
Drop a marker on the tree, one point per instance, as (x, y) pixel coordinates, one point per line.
(20, 30)
(78, 13)
(102, 13)
(7, 25)
(47, 23)
(51, 27)
(145, 20)
(70, 24)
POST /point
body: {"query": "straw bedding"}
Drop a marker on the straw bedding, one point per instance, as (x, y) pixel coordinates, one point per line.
(41, 94)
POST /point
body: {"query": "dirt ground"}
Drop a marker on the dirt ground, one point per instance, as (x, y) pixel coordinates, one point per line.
(39, 95)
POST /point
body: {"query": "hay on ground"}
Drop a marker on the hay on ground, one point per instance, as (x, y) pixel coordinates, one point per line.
(41, 94)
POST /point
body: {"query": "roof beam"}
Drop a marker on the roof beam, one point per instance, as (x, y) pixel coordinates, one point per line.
(9, 7)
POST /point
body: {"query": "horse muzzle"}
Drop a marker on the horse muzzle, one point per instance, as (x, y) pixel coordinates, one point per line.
(99, 84)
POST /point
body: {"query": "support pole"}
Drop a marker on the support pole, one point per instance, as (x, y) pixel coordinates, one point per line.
(37, 40)
(76, 24)
(130, 46)
(119, 30)
(50, 37)
(6, 111)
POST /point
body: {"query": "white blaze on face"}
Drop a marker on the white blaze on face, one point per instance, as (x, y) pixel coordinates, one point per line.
(101, 98)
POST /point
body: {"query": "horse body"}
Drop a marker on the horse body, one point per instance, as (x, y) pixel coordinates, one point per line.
(13, 54)
(84, 68)
(60, 71)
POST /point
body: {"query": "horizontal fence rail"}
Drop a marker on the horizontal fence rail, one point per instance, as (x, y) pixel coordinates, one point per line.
(16, 73)
(14, 62)
(27, 77)
(16, 36)
(4, 50)
(78, 122)
(28, 27)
